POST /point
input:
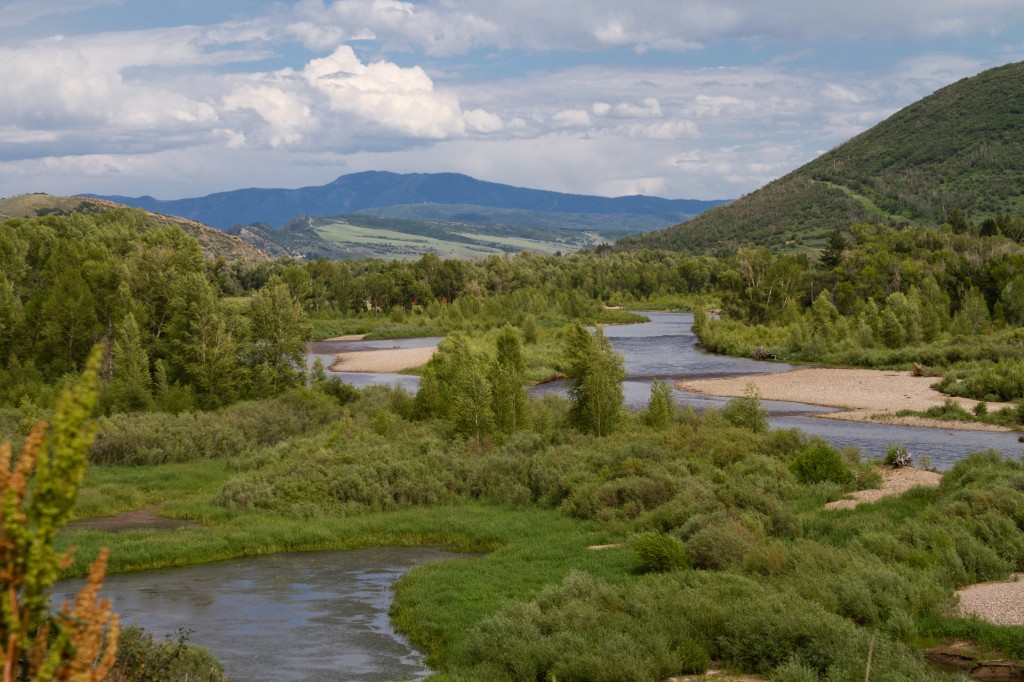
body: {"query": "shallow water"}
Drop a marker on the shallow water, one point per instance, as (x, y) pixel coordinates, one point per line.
(299, 616)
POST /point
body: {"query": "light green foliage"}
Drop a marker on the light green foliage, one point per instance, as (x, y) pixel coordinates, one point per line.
(508, 393)
(595, 375)
(661, 408)
(278, 337)
(660, 552)
(973, 317)
(821, 463)
(746, 411)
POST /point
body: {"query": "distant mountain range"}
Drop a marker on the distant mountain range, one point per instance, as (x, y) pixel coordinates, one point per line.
(961, 147)
(449, 197)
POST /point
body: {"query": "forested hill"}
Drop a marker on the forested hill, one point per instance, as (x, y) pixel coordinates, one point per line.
(377, 189)
(961, 147)
(213, 243)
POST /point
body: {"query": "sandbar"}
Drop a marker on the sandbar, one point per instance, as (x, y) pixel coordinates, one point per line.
(997, 602)
(374, 361)
(860, 394)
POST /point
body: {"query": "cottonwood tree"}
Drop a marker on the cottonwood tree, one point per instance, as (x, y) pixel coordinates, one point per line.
(278, 337)
(661, 407)
(595, 375)
(507, 376)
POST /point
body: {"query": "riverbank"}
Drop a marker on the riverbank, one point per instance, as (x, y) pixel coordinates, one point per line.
(861, 395)
(388, 360)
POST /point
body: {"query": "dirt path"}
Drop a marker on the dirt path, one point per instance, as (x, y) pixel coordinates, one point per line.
(861, 394)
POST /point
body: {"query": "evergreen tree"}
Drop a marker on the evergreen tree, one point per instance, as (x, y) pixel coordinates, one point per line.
(130, 389)
(833, 253)
(206, 347)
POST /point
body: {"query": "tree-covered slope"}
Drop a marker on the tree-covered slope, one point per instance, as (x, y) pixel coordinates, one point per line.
(961, 147)
(214, 243)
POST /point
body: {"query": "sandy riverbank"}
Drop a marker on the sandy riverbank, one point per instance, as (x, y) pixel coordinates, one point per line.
(390, 360)
(999, 602)
(894, 482)
(860, 394)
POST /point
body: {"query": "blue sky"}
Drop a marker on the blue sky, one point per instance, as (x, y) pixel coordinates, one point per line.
(677, 98)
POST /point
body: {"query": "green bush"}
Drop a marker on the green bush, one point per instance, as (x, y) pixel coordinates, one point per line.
(693, 658)
(820, 463)
(141, 658)
(160, 437)
(660, 552)
(746, 412)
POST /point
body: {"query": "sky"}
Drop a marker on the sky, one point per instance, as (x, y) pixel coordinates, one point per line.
(696, 99)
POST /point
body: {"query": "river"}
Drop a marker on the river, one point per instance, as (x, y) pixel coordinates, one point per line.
(296, 616)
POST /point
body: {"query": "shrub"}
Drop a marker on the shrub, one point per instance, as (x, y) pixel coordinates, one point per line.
(693, 658)
(746, 412)
(660, 552)
(140, 658)
(896, 456)
(820, 463)
(720, 544)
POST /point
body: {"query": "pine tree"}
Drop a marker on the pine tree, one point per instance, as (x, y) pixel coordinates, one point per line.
(833, 253)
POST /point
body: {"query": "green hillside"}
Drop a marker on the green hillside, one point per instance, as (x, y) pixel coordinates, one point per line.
(368, 236)
(961, 147)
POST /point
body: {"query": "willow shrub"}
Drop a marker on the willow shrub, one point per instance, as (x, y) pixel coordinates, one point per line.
(584, 629)
(161, 437)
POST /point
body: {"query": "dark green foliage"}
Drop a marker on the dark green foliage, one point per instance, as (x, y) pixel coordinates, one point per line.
(659, 552)
(821, 463)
